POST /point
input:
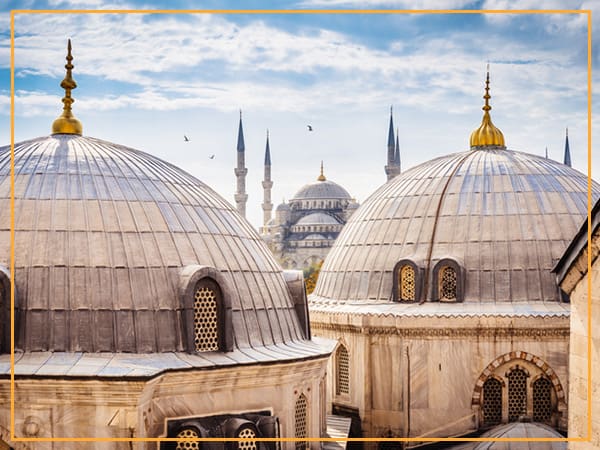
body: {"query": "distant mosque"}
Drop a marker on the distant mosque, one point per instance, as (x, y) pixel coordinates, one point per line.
(305, 228)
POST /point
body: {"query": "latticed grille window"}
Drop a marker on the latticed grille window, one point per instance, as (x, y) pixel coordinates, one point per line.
(447, 283)
(343, 371)
(247, 433)
(187, 445)
(542, 400)
(206, 317)
(301, 421)
(407, 283)
(517, 394)
(492, 402)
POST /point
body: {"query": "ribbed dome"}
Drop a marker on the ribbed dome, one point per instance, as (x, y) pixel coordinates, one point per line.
(322, 190)
(103, 233)
(504, 217)
(520, 431)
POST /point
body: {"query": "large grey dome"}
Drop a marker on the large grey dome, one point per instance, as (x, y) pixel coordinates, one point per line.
(321, 190)
(503, 217)
(104, 236)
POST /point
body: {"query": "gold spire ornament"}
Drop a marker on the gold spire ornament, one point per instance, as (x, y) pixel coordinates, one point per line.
(321, 177)
(67, 123)
(487, 135)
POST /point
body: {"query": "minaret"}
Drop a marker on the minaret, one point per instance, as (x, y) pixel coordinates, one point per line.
(546, 152)
(397, 154)
(567, 159)
(267, 184)
(390, 167)
(240, 172)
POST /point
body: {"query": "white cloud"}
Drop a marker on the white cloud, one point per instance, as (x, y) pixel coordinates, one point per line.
(392, 4)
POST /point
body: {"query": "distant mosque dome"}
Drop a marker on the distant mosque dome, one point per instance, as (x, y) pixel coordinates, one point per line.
(521, 430)
(325, 189)
(318, 219)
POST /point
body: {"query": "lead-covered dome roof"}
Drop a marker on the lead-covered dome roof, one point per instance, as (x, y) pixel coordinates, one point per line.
(504, 217)
(103, 237)
(324, 189)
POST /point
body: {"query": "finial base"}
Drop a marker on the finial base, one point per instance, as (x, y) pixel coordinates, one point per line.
(67, 125)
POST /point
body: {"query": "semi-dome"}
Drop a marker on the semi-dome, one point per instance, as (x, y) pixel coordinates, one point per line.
(318, 219)
(108, 240)
(500, 219)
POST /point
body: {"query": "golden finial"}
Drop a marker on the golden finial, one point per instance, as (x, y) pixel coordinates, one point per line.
(321, 177)
(67, 123)
(487, 135)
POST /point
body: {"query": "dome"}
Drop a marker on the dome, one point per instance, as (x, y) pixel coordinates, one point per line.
(318, 219)
(321, 190)
(315, 237)
(520, 430)
(503, 217)
(283, 207)
(105, 239)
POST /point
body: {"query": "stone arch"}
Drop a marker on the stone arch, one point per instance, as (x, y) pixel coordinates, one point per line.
(513, 357)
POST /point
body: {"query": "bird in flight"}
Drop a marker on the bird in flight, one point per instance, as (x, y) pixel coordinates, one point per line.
(309, 127)
(211, 157)
(185, 138)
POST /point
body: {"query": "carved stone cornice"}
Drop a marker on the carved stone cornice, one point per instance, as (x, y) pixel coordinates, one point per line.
(460, 332)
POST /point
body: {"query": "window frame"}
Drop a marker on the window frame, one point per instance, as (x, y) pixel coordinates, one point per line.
(435, 277)
(396, 289)
(190, 278)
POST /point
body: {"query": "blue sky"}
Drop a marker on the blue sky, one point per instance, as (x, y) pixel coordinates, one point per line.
(146, 80)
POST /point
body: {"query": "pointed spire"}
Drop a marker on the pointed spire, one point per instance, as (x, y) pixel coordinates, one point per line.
(240, 141)
(391, 137)
(567, 158)
(67, 123)
(487, 135)
(546, 152)
(267, 151)
(397, 154)
(321, 177)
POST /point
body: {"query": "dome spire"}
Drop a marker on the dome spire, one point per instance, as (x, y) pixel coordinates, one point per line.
(67, 123)
(321, 177)
(487, 135)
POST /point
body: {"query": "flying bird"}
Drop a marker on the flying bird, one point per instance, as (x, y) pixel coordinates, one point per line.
(309, 127)
(211, 157)
(185, 138)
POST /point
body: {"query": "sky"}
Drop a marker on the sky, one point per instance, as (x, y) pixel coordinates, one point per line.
(146, 80)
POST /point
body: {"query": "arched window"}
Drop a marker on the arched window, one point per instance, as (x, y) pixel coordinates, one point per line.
(517, 394)
(492, 402)
(207, 316)
(342, 385)
(447, 283)
(5, 310)
(301, 422)
(542, 400)
(407, 283)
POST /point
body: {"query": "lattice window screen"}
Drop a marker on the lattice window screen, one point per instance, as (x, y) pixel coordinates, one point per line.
(206, 321)
(343, 371)
(492, 402)
(517, 394)
(407, 283)
(301, 413)
(542, 400)
(187, 445)
(447, 283)
(247, 433)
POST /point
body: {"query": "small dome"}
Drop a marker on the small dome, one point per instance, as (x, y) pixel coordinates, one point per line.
(315, 237)
(318, 219)
(283, 207)
(104, 237)
(521, 430)
(322, 190)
